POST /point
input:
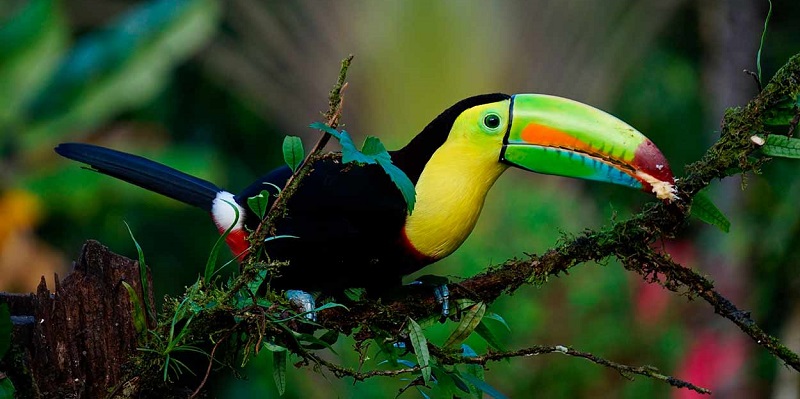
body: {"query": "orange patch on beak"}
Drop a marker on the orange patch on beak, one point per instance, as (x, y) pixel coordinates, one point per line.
(549, 137)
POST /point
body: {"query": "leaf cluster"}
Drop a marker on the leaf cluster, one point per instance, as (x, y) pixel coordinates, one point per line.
(372, 152)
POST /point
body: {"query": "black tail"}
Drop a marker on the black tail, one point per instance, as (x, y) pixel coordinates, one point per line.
(144, 173)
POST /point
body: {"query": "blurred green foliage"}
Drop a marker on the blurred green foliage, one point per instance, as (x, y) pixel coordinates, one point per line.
(185, 82)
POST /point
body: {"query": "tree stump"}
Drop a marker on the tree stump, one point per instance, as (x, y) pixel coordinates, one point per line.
(73, 342)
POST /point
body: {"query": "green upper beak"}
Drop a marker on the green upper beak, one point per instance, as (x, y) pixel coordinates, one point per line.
(557, 136)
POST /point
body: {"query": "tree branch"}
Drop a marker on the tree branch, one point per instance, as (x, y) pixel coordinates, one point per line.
(629, 240)
(622, 369)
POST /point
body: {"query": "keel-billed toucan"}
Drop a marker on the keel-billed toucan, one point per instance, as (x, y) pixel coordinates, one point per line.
(350, 222)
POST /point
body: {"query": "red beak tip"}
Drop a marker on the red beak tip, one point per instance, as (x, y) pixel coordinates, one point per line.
(653, 170)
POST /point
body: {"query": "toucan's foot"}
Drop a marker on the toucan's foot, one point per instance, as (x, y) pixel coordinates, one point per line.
(303, 301)
(442, 294)
(440, 291)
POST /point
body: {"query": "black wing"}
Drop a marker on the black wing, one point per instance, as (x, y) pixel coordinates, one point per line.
(348, 221)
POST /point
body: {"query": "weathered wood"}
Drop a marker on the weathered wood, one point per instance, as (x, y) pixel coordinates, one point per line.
(73, 342)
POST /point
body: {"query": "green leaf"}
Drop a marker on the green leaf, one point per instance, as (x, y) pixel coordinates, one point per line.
(259, 203)
(705, 210)
(133, 56)
(781, 146)
(373, 147)
(254, 284)
(7, 390)
(273, 347)
(483, 330)
(142, 272)
(448, 383)
(279, 360)
(279, 237)
(327, 129)
(496, 317)
(330, 337)
(763, 35)
(211, 263)
(355, 294)
(469, 320)
(475, 370)
(782, 113)
(293, 152)
(350, 153)
(483, 386)
(388, 349)
(309, 341)
(139, 321)
(5, 329)
(402, 182)
(420, 345)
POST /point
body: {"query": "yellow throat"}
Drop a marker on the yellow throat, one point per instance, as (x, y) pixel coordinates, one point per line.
(452, 188)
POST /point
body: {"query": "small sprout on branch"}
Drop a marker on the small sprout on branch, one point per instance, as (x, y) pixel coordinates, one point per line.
(259, 204)
(293, 152)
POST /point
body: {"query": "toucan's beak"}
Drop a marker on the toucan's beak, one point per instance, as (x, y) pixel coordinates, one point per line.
(557, 136)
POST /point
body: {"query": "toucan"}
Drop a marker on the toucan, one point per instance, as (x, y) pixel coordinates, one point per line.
(348, 226)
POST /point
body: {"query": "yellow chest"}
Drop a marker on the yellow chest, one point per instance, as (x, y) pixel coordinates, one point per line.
(450, 195)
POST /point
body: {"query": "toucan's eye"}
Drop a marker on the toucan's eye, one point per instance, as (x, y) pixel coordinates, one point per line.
(491, 121)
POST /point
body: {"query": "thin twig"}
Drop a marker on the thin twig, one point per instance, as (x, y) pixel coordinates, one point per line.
(276, 211)
(341, 371)
(210, 363)
(623, 369)
(335, 104)
(755, 77)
